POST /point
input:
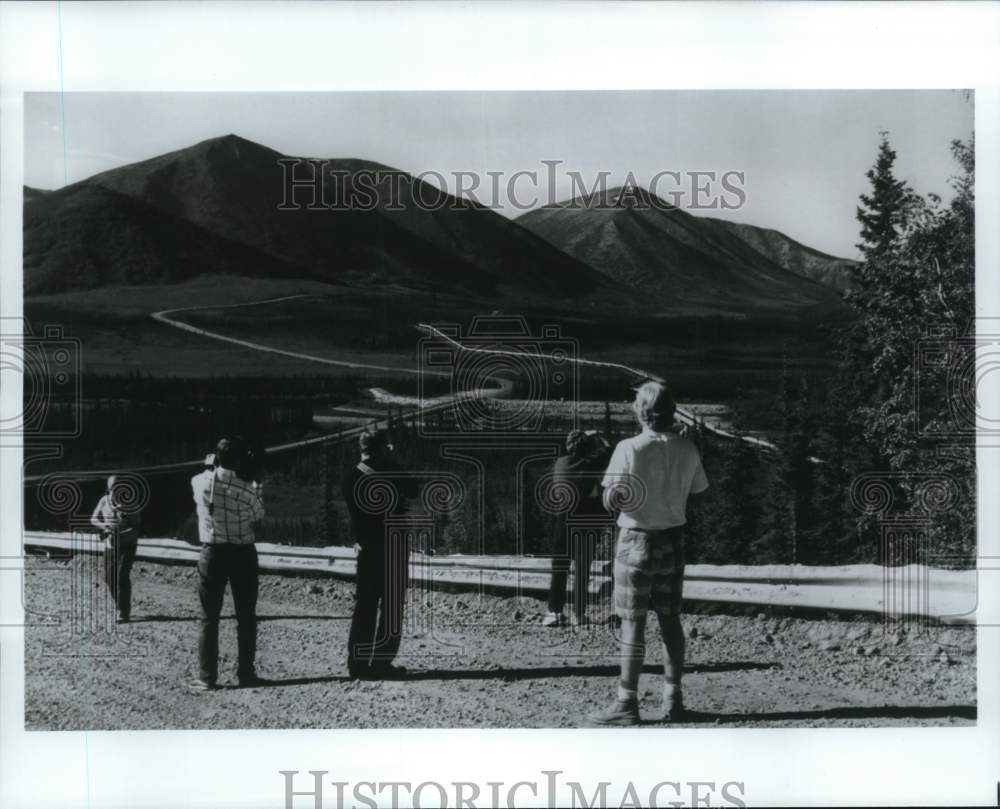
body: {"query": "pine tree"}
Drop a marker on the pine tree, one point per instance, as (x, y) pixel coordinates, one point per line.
(834, 537)
(883, 212)
(918, 272)
(327, 522)
(866, 360)
(877, 298)
(730, 525)
(800, 473)
(789, 512)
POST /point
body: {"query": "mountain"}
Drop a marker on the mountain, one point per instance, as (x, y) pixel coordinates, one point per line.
(672, 257)
(790, 254)
(86, 236)
(215, 206)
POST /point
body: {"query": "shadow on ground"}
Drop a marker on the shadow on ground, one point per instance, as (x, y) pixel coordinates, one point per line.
(155, 619)
(692, 717)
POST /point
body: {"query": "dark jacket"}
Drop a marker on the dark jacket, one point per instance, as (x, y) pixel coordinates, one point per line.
(584, 476)
(373, 495)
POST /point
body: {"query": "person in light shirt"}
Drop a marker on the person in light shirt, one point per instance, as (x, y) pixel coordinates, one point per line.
(119, 527)
(228, 507)
(648, 481)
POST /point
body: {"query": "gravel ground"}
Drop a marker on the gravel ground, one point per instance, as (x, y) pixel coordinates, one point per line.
(475, 661)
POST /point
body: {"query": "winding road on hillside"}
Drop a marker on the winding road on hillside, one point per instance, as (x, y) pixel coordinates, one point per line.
(505, 386)
(685, 416)
(164, 317)
(503, 389)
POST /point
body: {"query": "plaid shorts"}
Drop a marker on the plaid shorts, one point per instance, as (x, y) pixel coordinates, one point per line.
(649, 572)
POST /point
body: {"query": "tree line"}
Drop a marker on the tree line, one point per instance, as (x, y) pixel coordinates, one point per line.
(877, 461)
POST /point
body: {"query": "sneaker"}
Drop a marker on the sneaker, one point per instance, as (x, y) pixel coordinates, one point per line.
(199, 684)
(622, 713)
(252, 681)
(674, 710)
(387, 671)
(552, 619)
(121, 617)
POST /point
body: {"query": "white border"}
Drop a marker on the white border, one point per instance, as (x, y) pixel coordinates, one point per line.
(311, 46)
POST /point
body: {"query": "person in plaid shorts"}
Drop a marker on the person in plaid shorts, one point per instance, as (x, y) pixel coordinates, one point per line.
(648, 481)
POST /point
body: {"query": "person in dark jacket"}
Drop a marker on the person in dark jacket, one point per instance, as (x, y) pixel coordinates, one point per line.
(373, 491)
(579, 470)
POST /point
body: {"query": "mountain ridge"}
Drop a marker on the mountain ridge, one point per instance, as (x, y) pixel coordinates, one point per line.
(231, 188)
(647, 243)
(792, 254)
(215, 208)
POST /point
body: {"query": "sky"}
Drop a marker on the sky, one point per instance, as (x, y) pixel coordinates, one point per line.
(803, 154)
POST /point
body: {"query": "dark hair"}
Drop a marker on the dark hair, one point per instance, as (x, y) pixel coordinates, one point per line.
(372, 440)
(230, 453)
(576, 442)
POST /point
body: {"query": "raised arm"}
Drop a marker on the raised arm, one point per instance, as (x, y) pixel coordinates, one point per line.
(97, 518)
(615, 476)
(606, 499)
(255, 502)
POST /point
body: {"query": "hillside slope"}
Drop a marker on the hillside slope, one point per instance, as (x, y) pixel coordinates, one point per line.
(230, 189)
(87, 236)
(791, 254)
(671, 256)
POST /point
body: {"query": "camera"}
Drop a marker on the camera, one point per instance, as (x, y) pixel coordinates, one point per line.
(504, 380)
(49, 365)
(247, 458)
(251, 468)
(596, 446)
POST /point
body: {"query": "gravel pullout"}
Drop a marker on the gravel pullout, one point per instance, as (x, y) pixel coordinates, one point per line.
(475, 660)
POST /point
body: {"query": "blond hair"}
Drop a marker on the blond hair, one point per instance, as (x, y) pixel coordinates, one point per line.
(654, 406)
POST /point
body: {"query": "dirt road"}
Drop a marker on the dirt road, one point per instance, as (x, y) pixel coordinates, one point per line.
(164, 316)
(475, 661)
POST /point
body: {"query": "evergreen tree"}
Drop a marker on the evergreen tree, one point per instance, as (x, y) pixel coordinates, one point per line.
(789, 515)
(876, 298)
(917, 277)
(866, 360)
(834, 536)
(883, 212)
(730, 524)
(327, 523)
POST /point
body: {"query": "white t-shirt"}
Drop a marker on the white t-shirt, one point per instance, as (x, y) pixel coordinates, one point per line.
(659, 470)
